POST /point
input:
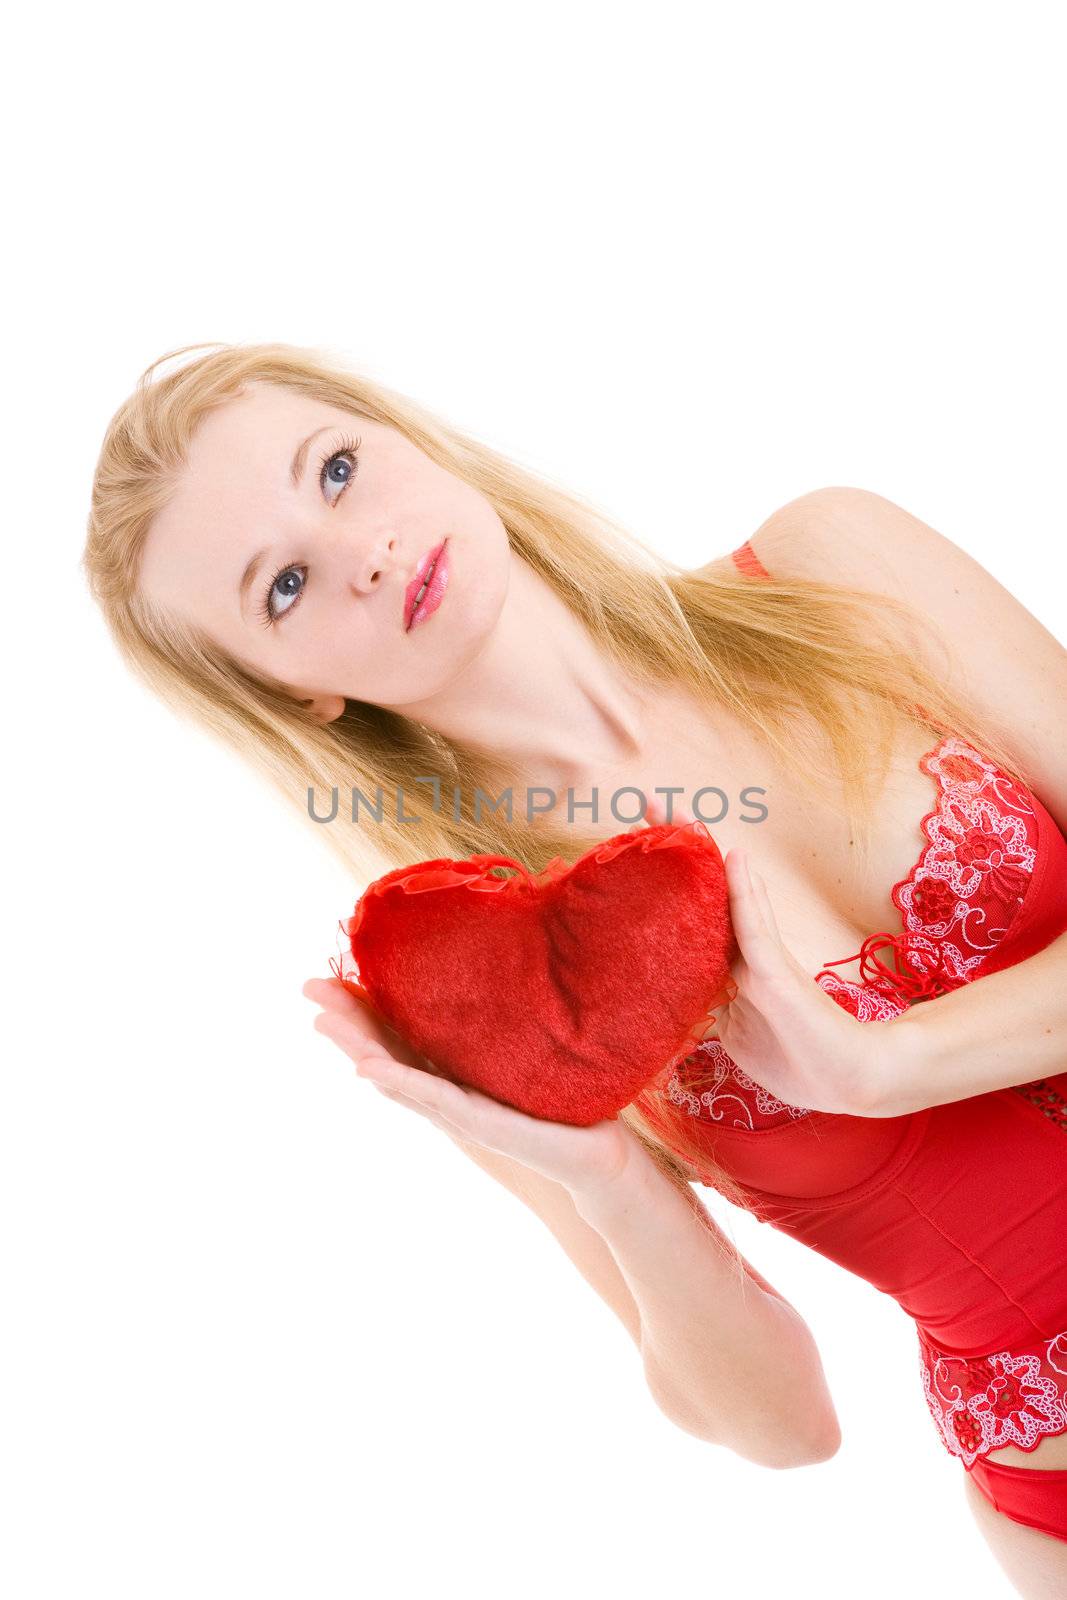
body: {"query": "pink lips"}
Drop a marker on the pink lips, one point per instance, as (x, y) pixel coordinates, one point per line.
(434, 565)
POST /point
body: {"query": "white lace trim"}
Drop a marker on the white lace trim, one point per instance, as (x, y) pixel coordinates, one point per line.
(961, 897)
(733, 1096)
(865, 1003)
(983, 1403)
(729, 1098)
(957, 904)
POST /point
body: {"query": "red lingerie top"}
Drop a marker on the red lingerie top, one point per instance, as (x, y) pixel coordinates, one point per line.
(957, 1211)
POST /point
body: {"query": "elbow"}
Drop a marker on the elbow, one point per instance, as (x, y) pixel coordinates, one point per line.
(807, 1452)
(779, 1447)
(829, 1443)
(819, 1441)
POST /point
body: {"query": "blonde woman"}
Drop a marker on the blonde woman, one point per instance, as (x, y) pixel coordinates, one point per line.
(361, 598)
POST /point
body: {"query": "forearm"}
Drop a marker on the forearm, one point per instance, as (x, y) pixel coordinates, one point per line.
(1006, 1028)
(724, 1359)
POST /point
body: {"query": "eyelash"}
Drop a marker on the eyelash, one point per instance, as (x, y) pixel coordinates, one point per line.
(347, 447)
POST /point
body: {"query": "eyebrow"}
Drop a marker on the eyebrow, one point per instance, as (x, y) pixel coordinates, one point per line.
(247, 576)
(296, 472)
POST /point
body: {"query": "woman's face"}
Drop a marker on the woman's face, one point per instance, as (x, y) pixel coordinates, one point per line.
(295, 552)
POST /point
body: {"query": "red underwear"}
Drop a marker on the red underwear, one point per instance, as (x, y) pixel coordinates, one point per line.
(1028, 1495)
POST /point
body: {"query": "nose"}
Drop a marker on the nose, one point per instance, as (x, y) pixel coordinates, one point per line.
(376, 561)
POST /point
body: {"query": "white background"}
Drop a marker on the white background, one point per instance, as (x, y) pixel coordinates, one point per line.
(266, 1332)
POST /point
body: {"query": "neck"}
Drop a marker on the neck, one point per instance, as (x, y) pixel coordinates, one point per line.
(541, 698)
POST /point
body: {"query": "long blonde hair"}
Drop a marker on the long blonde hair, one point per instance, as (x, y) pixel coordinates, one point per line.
(825, 672)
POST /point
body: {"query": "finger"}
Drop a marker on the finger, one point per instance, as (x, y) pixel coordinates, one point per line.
(728, 1010)
(458, 1110)
(656, 813)
(401, 1099)
(773, 959)
(464, 1112)
(336, 996)
(427, 1088)
(649, 820)
(413, 1104)
(340, 1002)
(351, 1035)
(739, 972)
(761, 950)
(319, 989)
(764, 900)
(391, 1094)
(338, 987)
(329, 992)
(427, 1113)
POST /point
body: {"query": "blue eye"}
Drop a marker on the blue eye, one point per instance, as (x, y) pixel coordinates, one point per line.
(337, 471)
(346, 457)
(272, 610)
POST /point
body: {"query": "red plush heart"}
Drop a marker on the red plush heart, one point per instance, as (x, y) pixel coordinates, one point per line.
(562, 993)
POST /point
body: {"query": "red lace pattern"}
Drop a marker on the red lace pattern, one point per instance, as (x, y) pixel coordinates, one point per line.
(733, 1099)
(957, 904)
(1046, 1098)
(1010, 1397)
(960, 898)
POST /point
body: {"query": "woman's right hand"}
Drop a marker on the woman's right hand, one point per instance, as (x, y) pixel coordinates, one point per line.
(586, 1160)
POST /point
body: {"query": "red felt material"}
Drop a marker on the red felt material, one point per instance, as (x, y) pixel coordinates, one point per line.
(562, 993)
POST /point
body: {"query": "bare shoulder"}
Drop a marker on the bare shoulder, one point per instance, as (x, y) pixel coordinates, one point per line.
(856, 536)
(1011, 666)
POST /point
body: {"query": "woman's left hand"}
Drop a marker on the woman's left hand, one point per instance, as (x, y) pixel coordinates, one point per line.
(782, 1028)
